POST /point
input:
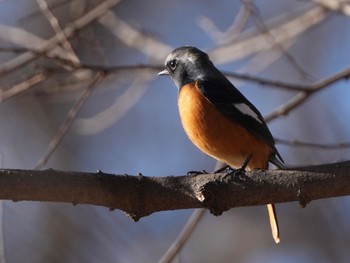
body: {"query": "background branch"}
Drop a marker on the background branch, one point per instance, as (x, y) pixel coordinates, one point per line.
(68, 121)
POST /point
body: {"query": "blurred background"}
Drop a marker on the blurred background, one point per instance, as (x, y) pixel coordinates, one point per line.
(55, 116)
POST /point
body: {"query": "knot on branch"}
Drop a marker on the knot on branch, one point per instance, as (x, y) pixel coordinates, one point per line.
(212, 193)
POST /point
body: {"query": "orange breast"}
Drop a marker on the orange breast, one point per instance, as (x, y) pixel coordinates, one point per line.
(216, 135)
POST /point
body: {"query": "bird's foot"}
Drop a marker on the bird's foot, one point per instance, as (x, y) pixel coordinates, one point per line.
(237, 172)
(224, 169)
(196, 172)
(234, 172)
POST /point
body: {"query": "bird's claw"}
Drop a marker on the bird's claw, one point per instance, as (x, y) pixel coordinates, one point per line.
(196, 172)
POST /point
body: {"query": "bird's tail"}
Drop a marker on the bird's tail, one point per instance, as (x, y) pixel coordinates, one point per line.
(271, 207)
(273, 222)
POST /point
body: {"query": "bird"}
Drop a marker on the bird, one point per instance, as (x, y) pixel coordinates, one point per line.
(219, 119)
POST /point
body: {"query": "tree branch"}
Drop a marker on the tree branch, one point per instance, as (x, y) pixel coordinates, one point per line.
(69, 120)
(50, 44)
(304, 95)
(139, 196)
(324, 146)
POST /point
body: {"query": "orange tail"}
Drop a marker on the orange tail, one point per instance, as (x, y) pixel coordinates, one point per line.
(270, 207)
(273, 222)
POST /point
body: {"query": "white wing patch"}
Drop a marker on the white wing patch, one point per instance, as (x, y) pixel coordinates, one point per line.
(245, 109)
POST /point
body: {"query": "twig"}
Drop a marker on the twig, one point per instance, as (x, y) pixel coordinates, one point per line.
(186, 231)
(261, 61)
(88, 18)
(61, 92)
(282, 32)
(328, 146)
(285, 85)
(59, 33)
(26, 40)
(264, 30)
(304, 95)
(24, 85)
(154, 49)
(305, 91)
(157, 68)
(13, 49)
(68, 121)
(259, 80)
(182, 238)
(267, 82)
(52, 6)
(232, 32)
(121, 105)
(335, 5)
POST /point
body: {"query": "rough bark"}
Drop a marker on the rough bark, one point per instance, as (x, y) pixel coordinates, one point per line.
(139, 196)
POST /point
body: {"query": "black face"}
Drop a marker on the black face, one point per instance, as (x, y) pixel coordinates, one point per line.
(187, 64)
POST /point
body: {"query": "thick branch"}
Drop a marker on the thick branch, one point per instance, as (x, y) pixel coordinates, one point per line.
(139, 196)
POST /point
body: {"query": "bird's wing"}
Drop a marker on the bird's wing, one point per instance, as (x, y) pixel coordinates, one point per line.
(231, 102)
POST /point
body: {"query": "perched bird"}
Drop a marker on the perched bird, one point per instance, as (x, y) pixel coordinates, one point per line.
(218, 119)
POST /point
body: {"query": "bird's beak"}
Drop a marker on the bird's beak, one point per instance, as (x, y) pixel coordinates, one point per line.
(163, 72)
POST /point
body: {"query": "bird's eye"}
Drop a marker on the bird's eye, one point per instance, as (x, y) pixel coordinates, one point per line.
(173, 64)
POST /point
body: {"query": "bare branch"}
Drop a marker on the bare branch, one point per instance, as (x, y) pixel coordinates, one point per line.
(117, 110)
(140, 196)
(25, 39)
(52, 6)
(335, 5)
(186, 231)
(68, 121)
(301, 97)
(59, 33)
(48, 45)
(282, 32)
(157, 68)
(13, 49)
(24, 85)
(267, 82)
(325, 146)
(264, 30)
(131, 37)
(262, 81)
(183, 236)
(232, 32)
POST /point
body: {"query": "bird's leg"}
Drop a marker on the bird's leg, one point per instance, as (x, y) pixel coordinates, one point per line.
(240, 170)
(226, 169)
(245, 164)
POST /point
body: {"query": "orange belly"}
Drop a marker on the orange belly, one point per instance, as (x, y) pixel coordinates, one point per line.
(216, 135)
